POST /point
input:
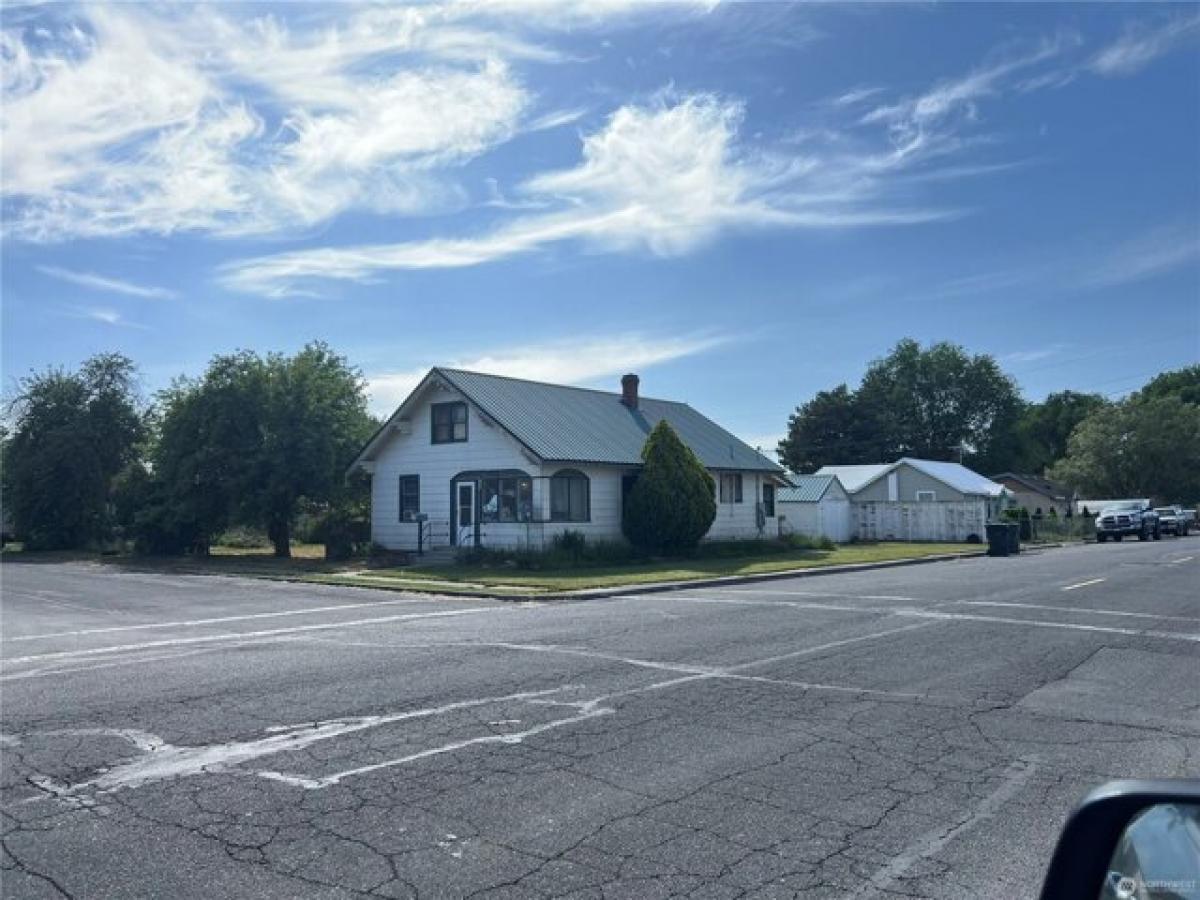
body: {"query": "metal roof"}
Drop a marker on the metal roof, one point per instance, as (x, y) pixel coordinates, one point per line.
(957, 476)
(855, 478)
(805, 488)
(569, 424)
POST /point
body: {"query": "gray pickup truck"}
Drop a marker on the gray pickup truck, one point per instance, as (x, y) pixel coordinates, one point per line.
(1174, 520)
(1129, 517)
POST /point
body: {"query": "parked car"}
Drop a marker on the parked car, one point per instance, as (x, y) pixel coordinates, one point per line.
(1128, 517)
(1173, 520)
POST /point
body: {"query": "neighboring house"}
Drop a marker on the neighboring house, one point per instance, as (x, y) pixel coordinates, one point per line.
(919, 500)
(815, 506)
(474, 459)
(1037, 494)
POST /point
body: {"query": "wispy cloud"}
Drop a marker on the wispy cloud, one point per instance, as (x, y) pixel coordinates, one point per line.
(663, 178)
(104, 315)
(1163, 250)
(1140, 258)
(567, 361)
(1035, 354)
(118, 120)
(916, 121)
(855, 96)
(105, 284)
(556, 119)
(1141, 43)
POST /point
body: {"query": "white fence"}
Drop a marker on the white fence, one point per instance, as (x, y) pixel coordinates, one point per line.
(935, 521)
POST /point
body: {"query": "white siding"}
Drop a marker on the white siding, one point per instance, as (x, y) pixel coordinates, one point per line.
(953, 520)
(738, 521)
(605, 508)
(829, 517)
(488, 447)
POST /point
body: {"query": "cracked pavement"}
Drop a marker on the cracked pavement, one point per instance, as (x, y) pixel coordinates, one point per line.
(904, 732)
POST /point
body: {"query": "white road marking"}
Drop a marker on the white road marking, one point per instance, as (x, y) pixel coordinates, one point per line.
(589, 710)
(71, 670)
(795, 604)
(775, 592)
(1079, 609)
(198, 623)
(1181, 560)
(162, 761)
(694, 671)
(1072, 587)
(915, 612)
(1035, 623)
(245, 636)
(1018, 775)
(829, 646)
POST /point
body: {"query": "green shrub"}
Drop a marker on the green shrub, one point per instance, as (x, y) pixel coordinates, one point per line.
(243, 538)
(572, 550)
(571, 544)
(672, 504)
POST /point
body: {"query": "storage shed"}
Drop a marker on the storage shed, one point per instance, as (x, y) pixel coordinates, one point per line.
(816, 506)
(919, 500)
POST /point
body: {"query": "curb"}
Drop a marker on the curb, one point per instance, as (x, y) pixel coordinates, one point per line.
(659, 587)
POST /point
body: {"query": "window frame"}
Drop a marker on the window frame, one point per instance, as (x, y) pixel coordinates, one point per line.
(928, 496)
(415, 481)
(736, 489)
(768, 490)
(518, 487)
(452, 406)
(567, 477)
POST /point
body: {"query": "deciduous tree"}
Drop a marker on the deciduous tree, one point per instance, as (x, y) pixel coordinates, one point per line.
(72, 433)
(1136, 448)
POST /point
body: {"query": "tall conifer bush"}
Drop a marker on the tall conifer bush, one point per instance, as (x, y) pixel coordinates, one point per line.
(672, 505)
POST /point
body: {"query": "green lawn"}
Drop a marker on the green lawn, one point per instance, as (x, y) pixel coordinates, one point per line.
(573, 579)
(306, 558)
(308, 564)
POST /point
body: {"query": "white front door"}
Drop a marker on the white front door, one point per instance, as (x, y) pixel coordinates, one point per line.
(464, 500)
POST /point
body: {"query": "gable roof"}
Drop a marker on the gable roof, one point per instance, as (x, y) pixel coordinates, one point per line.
(955, 475)
(1037, 484)
(958, 476)
(855, 478)
(559, 423)
(805, 488)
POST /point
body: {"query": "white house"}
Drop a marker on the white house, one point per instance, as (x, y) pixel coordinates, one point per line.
(474, 459)
(919, 500)
(815, 506)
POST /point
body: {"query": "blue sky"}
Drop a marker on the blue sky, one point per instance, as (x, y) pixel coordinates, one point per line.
(743, 203)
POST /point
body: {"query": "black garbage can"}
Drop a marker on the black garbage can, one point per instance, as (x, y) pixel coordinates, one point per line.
(998, 539)
(1014, 538)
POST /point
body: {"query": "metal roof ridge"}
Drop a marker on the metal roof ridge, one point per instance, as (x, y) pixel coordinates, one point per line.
(554, 384)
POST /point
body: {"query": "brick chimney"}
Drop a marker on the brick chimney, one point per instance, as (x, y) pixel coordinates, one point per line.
(629, 390)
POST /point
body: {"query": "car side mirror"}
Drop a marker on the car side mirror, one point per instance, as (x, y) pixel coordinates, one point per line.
(1130, 840)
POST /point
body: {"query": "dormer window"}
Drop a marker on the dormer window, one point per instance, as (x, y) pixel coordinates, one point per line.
(449, 422)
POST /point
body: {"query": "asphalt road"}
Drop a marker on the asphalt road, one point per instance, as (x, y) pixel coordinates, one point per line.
(916, 731)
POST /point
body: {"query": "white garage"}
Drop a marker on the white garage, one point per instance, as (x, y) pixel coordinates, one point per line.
(815, 506)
